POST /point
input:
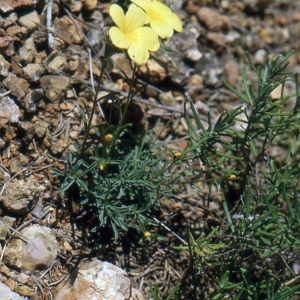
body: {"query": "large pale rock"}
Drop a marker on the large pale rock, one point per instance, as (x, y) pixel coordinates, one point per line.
(7, 293)
(38, 253)
(96, 280)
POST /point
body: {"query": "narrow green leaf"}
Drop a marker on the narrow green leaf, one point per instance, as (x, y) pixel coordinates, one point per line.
(245, 84)
(228, 155)
(240, 95)
(288, 202)
(252, 146)
(227, 213)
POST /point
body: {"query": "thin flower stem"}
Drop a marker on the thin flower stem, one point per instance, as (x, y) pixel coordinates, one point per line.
(103, 67)
(129, 98)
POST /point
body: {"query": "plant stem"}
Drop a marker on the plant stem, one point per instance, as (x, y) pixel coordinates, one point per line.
(103, 67)
(129, 98)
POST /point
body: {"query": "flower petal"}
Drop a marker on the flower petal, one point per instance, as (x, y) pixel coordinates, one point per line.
(165, 13)
(117, 14)
(142, 40)
(118, 38)
(135, 18)
(144, 4)
(146, 36)
(158, 15)
(150, 7)
(174, 21)
(138, 53)
(162, 28)
(161, 8)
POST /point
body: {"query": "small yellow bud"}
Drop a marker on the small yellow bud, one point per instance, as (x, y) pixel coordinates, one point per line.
(108, 138)
(147, 234)
(177, 155)
(231, 177)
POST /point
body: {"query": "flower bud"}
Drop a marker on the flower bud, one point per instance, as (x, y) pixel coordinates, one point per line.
(177, 155)
(108, 138)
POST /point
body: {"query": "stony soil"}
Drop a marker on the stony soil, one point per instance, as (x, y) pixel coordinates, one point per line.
(43, 50)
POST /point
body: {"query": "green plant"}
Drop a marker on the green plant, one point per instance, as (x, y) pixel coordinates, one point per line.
(261, 225)
(121, 180)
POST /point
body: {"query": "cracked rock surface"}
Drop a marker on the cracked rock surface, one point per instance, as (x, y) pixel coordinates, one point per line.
(37, 249)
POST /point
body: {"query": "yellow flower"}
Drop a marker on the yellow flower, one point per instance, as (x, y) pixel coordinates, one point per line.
(147, 234)
(231, 177)
(162, 20)
(108, 138)
(130, 33)
(177, 155)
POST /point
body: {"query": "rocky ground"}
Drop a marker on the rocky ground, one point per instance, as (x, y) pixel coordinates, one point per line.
(43, 47)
